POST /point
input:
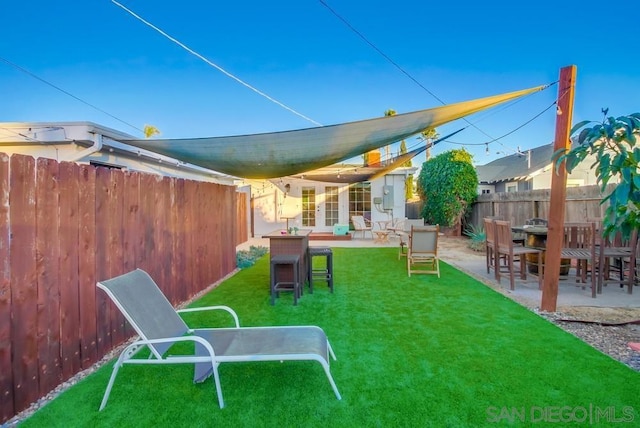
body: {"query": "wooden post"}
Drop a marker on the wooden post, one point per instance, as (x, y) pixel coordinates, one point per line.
(566, 92)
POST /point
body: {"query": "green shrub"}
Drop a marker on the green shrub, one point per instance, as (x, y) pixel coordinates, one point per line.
(447, 184)
(247, 258)
(478, 237)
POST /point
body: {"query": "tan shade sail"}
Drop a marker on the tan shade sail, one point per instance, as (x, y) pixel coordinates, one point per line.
(279, 154)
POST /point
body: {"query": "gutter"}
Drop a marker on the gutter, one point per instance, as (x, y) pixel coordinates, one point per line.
(96, 147)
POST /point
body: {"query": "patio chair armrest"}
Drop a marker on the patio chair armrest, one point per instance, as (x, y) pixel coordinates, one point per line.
(209, 308)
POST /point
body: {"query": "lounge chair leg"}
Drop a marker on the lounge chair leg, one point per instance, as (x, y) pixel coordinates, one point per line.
(112, 379)
(216, 379)
(331, 351)
(325, 366)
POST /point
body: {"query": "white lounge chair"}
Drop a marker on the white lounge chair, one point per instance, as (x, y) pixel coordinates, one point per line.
(159, 326)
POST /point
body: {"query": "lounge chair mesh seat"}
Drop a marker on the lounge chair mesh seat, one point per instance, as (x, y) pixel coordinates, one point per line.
(159, 327)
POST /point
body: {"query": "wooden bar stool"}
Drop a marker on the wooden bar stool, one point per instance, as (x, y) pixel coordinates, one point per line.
(291, 283)
(323, 274)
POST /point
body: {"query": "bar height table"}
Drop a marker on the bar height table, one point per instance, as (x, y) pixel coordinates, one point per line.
(291, 244)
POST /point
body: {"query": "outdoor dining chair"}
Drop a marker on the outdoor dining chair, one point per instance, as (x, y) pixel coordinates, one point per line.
(490, 244)
(422, 250)
(160, 327)
(579, 244)
(619, 255)
(513, 253)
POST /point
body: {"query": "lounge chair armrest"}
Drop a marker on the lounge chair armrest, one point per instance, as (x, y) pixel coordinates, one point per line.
(135, 346)
(209, 308)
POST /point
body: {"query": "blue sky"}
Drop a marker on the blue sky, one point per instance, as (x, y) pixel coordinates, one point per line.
(301, 54)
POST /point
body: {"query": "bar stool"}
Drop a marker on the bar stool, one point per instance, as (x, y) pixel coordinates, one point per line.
(278, 285)
(324, 274)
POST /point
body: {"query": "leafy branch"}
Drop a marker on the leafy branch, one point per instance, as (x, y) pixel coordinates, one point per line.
(614, 144)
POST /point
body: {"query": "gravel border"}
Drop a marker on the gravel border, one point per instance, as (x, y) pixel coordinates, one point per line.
(610, 340)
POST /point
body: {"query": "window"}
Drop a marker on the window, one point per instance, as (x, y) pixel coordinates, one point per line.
(485, 191)
(309, 206)
(512, 187)
(331, 208)
(360, 200)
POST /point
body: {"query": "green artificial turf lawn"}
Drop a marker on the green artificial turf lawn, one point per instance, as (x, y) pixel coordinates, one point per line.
(417, 351)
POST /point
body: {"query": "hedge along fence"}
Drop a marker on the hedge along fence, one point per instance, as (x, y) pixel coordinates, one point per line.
(64, 226)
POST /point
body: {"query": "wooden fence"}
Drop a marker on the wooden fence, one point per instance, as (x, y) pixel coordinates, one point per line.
(581, 203)
(64, 226)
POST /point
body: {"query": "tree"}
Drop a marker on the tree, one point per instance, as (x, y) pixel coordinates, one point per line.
(429, 135)
(447, 184)
(150, 131)
(614, 143)
(408, 184)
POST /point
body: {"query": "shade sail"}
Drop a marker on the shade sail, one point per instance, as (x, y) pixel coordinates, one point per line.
(279, 154)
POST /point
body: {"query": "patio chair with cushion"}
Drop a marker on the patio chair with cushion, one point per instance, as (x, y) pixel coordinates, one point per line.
(160, 327)
(362, 225)
(422, 250)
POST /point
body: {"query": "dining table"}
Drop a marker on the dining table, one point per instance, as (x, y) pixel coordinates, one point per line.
(537, 238)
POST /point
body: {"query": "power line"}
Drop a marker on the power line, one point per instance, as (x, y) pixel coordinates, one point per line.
(24, 70)
(222, 70)
(385, 56)
(402, 70)
(446, 140)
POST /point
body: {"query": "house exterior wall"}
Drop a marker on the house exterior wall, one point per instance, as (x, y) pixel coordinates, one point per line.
(79, 142)
(273, 204)
(486, 188)
(582, 175)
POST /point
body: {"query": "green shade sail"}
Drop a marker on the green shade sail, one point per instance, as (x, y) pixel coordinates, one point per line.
(279, 154)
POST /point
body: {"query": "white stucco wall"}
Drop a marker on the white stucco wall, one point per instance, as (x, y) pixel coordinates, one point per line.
(271, 206)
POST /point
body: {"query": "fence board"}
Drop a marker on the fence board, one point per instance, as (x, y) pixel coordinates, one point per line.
(178, 267)
(228, 208)
(87, 264)
(196, 236)
(114, 256)
(47, 256)
(22, 250)
(162, 207)
(242, 205)
(103, 306)
(189, 237)
(211, 207)
(69, 293)
(6, 370)
(146, 224)
(132, 236)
